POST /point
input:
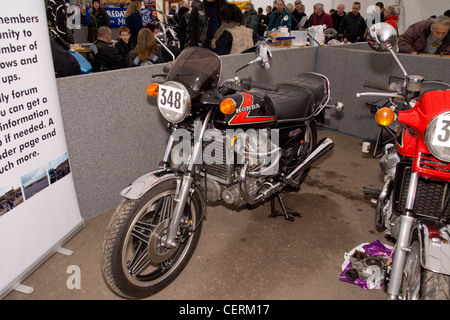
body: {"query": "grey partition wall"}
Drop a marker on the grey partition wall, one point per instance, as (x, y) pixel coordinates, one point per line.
(348, 69)
(114, 134)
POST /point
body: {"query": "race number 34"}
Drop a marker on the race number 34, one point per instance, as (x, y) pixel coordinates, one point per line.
(442, 132)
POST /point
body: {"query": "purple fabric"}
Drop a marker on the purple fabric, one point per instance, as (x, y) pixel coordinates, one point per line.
(376, 249)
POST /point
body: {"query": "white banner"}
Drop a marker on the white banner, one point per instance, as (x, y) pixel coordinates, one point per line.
(38, 204)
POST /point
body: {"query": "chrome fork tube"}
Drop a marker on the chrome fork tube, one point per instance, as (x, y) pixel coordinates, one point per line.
(169, 149)
(188, 178)
(403, 241)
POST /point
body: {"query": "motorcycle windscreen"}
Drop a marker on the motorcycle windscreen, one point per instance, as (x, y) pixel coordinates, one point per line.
(199, 68)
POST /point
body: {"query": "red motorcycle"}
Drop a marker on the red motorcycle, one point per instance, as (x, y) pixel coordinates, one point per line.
(413, 204)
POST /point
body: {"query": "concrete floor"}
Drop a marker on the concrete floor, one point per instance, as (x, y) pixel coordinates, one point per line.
(246, 255)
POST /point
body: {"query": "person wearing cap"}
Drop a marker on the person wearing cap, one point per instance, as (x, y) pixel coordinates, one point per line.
(298, 16)
(97, 18)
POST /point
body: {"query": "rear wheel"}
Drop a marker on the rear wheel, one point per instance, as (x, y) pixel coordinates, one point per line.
(135, 261)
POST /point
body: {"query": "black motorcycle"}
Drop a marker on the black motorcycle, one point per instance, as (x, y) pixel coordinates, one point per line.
(240, 142)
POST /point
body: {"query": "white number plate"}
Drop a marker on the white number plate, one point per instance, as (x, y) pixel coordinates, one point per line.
(442, 132)
(170, 98)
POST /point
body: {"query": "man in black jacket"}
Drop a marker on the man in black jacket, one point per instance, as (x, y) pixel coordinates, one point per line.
(353, 25)
(204, 22)
(102, 55)
(183, 18)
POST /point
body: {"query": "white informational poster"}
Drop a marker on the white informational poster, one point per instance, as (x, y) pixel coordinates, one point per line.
(38, 205)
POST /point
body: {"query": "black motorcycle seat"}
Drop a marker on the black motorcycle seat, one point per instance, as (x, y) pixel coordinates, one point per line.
(298, 98)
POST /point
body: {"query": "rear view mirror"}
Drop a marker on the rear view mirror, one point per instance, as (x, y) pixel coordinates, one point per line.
(382, 36)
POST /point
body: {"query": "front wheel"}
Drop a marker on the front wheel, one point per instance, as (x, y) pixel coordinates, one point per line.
(135, 262)
(422, 284)
(435, 286)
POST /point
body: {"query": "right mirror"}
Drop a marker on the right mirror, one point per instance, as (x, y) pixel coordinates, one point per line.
(264, 57)
(382, 36)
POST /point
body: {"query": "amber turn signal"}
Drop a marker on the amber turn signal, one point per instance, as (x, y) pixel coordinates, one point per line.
(227, 106)
(385, 116)
(152, 90)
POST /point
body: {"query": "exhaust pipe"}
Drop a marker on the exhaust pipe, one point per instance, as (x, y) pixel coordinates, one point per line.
(324, 145)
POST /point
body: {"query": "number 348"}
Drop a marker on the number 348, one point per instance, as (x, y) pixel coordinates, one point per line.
(170, 98)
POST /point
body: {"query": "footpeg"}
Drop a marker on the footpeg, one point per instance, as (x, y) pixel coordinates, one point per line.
(373, 192)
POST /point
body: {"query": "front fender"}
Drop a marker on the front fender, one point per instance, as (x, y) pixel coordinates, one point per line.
(144, 183)
(141, 185)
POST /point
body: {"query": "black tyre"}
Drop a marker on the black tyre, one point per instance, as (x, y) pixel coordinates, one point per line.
(135, 264)
(422, 284)
(435, 286)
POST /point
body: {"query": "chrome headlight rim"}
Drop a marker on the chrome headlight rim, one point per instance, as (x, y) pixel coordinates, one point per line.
(185, 105)
(438, 151)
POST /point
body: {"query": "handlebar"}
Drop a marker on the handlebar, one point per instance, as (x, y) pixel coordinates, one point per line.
(380, 94)
(375, 85)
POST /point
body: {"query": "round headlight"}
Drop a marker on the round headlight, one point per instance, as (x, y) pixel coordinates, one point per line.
(174, 101)
(437, 136)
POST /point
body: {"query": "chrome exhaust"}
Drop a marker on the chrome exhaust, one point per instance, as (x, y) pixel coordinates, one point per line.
(322, 147)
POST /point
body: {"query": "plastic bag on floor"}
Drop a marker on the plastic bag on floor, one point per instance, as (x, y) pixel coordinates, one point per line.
(365, 265)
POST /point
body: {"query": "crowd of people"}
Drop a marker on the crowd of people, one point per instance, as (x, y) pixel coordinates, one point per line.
(224, 28)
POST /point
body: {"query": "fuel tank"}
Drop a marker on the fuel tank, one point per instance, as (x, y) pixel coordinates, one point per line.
(253, 110)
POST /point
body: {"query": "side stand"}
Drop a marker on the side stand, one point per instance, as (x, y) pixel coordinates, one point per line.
(286, 212)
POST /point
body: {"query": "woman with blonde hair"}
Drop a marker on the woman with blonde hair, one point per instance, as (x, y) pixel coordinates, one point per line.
(147, 52)
(133, 19)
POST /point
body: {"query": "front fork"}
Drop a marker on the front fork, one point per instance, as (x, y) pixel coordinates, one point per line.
(188, 177)
(403, 242)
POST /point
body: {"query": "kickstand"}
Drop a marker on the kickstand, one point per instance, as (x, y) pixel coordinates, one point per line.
(286, 212)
